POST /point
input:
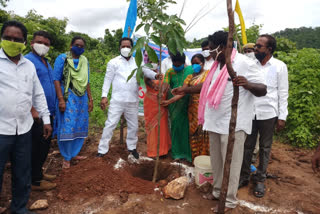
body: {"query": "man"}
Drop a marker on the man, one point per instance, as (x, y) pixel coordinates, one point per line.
(40, 45)
(166, 64)
(20, 89)
(216, 117)
(316, 160)
(124, 98)
(269, 111)
(206, 53)
(248, 50)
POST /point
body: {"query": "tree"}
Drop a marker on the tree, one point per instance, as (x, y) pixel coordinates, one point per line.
(3, 3)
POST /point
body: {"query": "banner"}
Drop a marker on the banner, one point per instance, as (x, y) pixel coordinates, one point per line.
(131, 19)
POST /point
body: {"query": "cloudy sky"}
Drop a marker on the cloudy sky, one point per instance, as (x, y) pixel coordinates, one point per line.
(93, 16)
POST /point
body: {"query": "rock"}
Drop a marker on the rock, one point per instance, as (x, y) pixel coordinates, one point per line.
(162, 183)
(176, 188)
(39, 205)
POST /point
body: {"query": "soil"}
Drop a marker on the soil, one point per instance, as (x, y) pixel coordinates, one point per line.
(99, 185)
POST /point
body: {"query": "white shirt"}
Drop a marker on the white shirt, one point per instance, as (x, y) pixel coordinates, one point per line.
(208, 64)
(20, 89)
(217, 120)
(275, 103)
(166, 64)
(118, 71)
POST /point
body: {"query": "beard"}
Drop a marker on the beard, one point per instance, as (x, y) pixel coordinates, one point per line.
(260, 56)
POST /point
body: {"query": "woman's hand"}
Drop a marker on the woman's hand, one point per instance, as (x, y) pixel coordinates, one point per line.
(90, 105)
(164, 103)
(62, 105)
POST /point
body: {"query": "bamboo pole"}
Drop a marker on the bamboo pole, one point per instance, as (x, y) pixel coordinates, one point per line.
(234, 108)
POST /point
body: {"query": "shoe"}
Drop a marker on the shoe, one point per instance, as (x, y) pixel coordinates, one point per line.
(44, 185)
(49, 177)
(99, 155)
(243, 183)
(134, 153)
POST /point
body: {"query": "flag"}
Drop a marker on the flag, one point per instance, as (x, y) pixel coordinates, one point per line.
(243, 27)
(131, 19)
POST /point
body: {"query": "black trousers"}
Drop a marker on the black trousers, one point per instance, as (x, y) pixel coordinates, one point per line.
(40, 150)
(266, 129)
(17, 149)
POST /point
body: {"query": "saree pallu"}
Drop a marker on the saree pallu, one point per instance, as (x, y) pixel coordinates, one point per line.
(151, 124)
(199, 139)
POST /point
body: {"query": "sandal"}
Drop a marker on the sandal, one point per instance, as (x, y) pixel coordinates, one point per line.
(259, 190)
(209, 196)
(78, 157)
(226, 209)
(65, 164)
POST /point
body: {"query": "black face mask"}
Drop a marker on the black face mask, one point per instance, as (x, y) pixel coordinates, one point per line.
(260, 56)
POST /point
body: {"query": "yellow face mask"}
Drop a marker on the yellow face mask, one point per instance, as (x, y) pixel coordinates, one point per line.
(12, 49)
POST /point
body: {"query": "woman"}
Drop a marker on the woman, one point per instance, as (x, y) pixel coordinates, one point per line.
(199, 139)
(151, 110)
(178, 111)
(71, 81)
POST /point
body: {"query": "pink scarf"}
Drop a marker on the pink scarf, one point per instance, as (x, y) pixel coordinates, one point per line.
(213, 97)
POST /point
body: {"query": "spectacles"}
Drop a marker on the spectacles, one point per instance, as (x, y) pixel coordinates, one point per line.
(259, 46)
(13, 39)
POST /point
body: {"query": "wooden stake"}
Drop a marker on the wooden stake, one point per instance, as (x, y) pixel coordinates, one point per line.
(234, 108)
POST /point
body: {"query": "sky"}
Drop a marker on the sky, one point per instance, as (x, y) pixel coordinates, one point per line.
(94, 16)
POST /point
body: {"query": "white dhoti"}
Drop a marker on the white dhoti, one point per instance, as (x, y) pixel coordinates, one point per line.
(116, 109)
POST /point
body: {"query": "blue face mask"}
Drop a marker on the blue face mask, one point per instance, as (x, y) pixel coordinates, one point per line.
(178, 69)
(196, 68)
(77, 51)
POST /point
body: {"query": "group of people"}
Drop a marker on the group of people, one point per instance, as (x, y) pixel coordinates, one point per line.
(195, 107)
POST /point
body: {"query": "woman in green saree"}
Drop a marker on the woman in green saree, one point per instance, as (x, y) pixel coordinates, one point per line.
(178, 111)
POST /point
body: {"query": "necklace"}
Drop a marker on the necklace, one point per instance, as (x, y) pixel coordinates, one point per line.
(179, 80)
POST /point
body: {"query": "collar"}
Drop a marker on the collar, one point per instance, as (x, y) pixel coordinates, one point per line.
(122, 58)
(270, 61)
(38, 57)
(4, 56)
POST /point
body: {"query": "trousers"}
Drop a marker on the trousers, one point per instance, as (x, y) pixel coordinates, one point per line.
(116, 109)
(218, 151)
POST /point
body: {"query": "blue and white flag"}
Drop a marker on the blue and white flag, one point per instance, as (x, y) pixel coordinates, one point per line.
(131, 19)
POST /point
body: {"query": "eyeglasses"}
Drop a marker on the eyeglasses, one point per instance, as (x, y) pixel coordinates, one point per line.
(259, 46)
(13, 39)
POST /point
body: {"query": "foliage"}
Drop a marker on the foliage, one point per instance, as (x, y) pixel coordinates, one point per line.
(304, 37)
(3, 3)
(303, 128)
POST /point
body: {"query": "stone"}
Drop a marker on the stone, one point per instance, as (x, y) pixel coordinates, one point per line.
(39, 205)
(176, 188)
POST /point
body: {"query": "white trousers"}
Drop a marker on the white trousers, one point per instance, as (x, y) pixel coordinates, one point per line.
(218, 151)
(116, 109)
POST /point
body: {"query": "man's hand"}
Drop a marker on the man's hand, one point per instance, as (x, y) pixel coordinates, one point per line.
(62, 105)
(104, 103)
(280, 125)
(164, 103)
(159, 77)
(241, 81)
(316, 161)
(47, 131)
(35, 115)
(178, 91)
(90, 106)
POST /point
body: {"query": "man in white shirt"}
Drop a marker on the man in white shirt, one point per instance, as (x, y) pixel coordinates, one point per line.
(124, 97)
(269, 111)
(166, 64)
(206, 53)
(20, 89)
(217, 119)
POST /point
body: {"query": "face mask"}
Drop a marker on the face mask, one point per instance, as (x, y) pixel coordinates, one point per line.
(217, 52)
(196, 68)
(260, 56)
(125, 52)
(12, 48)
(205, 53)
(250, 55)
(154, 66)
(178, 69)
(40, 49)
(77, 51)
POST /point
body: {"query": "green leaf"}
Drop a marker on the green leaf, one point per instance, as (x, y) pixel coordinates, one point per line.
(139, 75)
(138, 27)
(147, 28)
(172, 45)
(138, 57)
(131, 75)
(157, 25)
(156, 39)
(139, 44)
(152, 54)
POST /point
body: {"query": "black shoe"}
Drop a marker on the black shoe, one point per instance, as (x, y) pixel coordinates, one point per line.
(134, 153)
(100, 155)
(243, 183)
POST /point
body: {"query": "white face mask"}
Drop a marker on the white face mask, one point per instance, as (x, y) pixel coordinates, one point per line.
(40, 49)
(250, 55)
(154, 66)
(205, 53)
(217, 52)
(125, 52)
